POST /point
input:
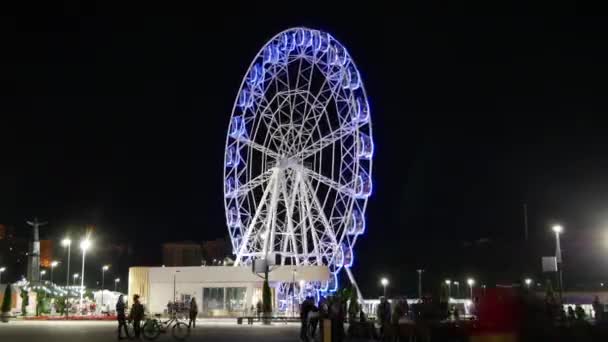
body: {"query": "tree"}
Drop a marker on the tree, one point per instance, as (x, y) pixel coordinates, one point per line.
(266, 297)
(25, 301)
(7, 301)
(353, 306)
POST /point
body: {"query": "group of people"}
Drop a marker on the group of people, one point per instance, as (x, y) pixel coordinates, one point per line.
(136, 315)
(390, 317)
(332, 308)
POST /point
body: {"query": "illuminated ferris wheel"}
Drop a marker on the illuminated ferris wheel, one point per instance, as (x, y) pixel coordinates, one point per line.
(298, 157)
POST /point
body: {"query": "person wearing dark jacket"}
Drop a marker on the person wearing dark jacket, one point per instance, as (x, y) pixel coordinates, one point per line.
(193, 313)
(120, 316)
(136, 315)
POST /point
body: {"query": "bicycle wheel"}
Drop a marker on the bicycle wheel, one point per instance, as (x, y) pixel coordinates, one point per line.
(180, 331)
(151, 330)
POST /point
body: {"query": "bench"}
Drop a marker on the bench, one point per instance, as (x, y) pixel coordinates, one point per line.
(250, 319)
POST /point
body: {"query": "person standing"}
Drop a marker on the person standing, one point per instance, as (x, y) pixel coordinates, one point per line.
(384, 315)
(193, 313)
(120, 316)
(305, 308)
(259, 309)
(136, 315)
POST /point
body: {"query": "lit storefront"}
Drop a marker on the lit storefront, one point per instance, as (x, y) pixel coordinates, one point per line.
(220, 291)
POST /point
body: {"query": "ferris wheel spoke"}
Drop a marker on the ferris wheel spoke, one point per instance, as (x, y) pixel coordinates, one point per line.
(328, 182)
(254, 183)
(326, 141)
(261, 148)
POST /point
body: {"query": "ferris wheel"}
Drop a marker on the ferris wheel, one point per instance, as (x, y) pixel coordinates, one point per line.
(298, 156)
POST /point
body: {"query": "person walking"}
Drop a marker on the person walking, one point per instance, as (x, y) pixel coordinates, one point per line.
(259, 309)
(136, 315)
(120, 316)
(193, 313)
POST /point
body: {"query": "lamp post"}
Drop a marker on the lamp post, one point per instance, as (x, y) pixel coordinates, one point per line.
(293, 295)
(471, 282)
(384, 283)
(528, 282)
(84, 245)
(448, 282)
(42, 273)
(76, 275)
(67, 243)
(116, 281)
(53, 265)
(419, 282)
(103, 272)
(2, 269)
(557, 229)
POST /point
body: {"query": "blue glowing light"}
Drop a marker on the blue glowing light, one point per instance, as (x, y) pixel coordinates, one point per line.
(348, 255)
(233, 219)
(237, 127)
(353, 77)
(256, 75)
(364, 186)
(245, 99)
(231, 187)
(316, 40)
(356, 224)
(233, 157)
(365, 146)
(288, 42)
(360, 111)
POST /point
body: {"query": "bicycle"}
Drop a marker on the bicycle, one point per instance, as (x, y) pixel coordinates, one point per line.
(154, 327)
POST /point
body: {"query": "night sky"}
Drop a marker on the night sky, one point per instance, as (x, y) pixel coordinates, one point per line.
(120, 122)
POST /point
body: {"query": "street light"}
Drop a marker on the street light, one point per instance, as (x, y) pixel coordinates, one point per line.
(448, 282)
(103, 272)
(76, 275)
(384, 282)
(471, 282)
(557, 229)
(528, 282)
(116, 281)
(53, 265)
(67, 243)
(42, 273)
(84, 245)
(2, 269)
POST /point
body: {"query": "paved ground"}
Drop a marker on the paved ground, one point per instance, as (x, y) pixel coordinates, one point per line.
(59, 331)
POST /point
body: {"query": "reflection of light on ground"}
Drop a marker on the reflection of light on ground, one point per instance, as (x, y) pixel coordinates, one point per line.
(211, 322)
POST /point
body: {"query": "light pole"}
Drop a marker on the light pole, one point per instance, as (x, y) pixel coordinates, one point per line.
(42, 273)
(53, 265)
(76, 275)
(103, 272)
(420, 283)
(528, 282)
(67, 243)
(457, 283)
(557, 229)
(2, 269)
(84, 245)
(471, 282)
(448, 282)
(116, 281)
(293, 288)
(384, 282)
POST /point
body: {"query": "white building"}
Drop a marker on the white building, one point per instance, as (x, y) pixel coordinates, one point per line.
(219, 290)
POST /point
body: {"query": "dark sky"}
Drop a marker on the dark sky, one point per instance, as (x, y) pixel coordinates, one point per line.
(120, 122)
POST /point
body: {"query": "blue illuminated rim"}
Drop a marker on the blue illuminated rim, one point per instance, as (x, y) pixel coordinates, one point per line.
(275, 50)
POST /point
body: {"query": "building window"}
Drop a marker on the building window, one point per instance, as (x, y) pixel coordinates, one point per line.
(213, 298)
(235, 298)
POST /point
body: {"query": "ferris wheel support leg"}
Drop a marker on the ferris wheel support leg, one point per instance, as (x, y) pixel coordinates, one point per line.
(255, 218)
(354, 283)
